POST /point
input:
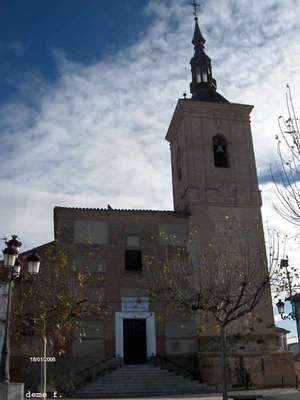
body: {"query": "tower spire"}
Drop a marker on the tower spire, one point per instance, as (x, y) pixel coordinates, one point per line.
(198, 39)
(203, 86)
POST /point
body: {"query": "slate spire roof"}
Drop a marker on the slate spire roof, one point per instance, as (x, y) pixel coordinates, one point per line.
(198, 39)
(203, 86)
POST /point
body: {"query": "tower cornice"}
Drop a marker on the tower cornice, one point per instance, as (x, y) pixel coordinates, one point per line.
(225, 111)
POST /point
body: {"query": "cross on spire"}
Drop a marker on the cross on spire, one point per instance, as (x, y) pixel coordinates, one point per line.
(195, 5)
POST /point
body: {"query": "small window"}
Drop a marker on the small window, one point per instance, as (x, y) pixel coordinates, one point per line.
(133, 260)
(220, 148)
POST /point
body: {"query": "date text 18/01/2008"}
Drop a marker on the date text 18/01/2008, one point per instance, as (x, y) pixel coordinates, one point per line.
(42, 359)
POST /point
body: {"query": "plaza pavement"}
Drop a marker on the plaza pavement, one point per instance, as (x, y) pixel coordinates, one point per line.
(268, 394)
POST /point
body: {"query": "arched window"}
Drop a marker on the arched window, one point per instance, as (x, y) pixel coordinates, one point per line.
(198, 75)
(220, 147)
(204, 74)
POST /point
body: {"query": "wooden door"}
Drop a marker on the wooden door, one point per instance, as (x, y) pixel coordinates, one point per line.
(135, 341)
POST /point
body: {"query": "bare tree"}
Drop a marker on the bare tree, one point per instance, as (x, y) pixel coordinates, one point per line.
(51, 305)
(284, 282)
(228, 283)
(286, 177)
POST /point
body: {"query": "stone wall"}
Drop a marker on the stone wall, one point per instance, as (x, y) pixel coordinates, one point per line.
(297, 369)
(104, 255)
(254, 370)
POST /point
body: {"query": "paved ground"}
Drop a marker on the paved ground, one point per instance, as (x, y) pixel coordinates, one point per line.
(268, 394)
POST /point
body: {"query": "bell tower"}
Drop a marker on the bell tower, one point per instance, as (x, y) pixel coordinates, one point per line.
(213, 166)
(215, 181)
(210, 138)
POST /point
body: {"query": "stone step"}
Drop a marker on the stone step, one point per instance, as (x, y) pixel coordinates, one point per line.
(142, 376)
(145, 379)
(134, 394)
(140, 394)
(135, 380)
(130, 388)
(138, 384)
(143, 388)
(169, 385)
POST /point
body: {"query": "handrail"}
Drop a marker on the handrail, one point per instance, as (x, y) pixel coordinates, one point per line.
(85, 375)
(191, 372)
(96, 364)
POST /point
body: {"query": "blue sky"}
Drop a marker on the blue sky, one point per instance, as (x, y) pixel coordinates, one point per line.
(88, 89)
(85, 31)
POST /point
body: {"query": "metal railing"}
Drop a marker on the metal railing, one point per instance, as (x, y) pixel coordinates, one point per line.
(91, 373)
(167, 363)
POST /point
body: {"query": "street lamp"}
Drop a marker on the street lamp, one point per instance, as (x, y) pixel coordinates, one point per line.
(11, 252)
(281, 308)
(34, 262)
(12, 263)
(293, 299)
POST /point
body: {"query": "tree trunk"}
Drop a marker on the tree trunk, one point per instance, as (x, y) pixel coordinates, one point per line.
(224, 363)
(44, 358)
(5, 357)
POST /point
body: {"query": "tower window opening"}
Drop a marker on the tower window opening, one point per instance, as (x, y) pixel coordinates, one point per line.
(198, 75)
(204, 73)
(220, 148)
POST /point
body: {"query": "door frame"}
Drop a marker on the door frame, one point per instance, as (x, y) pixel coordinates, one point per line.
(150, 331)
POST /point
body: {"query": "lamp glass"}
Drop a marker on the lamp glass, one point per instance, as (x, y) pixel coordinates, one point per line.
(17, 269)
(281, 307)
(9, 260)
(33, 267)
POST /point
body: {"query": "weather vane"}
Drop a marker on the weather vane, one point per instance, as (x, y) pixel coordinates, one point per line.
(195, 5)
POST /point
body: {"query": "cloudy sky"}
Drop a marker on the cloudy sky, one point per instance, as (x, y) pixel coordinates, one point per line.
(88, 89)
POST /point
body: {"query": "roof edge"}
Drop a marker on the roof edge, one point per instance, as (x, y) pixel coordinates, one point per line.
(121, 210)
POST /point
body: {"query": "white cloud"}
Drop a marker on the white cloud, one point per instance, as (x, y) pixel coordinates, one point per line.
(96, 136)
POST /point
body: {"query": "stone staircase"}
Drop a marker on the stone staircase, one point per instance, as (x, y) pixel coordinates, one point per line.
(140, 380)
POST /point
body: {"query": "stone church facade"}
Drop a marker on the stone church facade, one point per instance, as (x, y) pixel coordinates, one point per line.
(214, 178)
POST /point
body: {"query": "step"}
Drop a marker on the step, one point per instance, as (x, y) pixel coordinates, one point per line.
(144, 379)
(143, 388)
(134, 387)
(140, 393)
(135, 380)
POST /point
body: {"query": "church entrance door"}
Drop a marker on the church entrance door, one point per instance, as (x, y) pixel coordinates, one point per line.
(135, 342)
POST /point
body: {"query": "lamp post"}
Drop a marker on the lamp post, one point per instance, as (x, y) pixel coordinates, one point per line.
(13, 265)
(294, 299)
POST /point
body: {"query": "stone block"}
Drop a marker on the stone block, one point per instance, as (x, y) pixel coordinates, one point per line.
(11, 391)
(94, 232)
(263, 369)
(89, 348)
(297, 368)
(180, 329)
(181, 346)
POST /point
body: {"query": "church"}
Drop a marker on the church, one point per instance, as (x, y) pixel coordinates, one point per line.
(214, 178)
